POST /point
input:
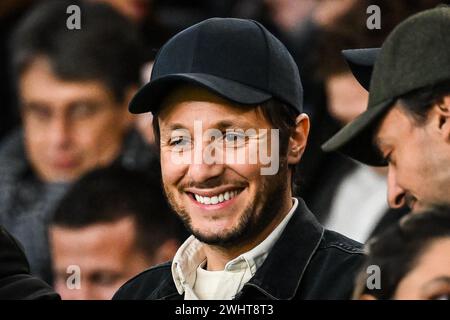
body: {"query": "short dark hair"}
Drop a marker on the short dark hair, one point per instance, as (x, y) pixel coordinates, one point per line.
(419, 102)
(109, 194)
(397, 250)
(107, 48)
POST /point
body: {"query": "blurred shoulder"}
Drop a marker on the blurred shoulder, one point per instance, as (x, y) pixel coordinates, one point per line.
(153, 283)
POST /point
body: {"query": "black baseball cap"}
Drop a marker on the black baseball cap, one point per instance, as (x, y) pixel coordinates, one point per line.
(415, 55)
(237, 59)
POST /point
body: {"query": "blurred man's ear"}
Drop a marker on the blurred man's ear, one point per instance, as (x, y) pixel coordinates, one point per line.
(367, 297)
(298, 139)
(128, 117)
(166, 251)
(444, 117)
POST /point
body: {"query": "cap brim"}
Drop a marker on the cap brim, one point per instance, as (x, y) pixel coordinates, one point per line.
(150, 96)
(361, 63)
(355, 140)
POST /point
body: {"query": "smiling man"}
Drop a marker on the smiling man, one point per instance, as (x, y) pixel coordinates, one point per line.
(250, 238)
(407, 122)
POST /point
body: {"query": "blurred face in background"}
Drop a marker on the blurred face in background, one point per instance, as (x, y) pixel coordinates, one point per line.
(70, 127)
(430, 278)
(105, 253)
(347, 99)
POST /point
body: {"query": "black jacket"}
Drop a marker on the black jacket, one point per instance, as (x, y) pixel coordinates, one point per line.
(15, 279)
(307, 262)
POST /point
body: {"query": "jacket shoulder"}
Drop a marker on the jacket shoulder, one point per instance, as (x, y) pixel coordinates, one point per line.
(333, 268)
(153, 283)
(15, 279)
(337, 241)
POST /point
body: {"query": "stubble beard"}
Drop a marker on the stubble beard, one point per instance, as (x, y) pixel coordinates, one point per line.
(257, 215)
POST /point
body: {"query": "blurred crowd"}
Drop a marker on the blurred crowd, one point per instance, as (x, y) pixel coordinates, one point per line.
(80, 180)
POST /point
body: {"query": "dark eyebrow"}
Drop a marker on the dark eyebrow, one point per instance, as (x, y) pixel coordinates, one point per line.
(166, 133)
(175, 126)
(226, 124)
(221, 125)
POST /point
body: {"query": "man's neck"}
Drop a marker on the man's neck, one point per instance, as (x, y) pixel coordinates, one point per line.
(217, 257)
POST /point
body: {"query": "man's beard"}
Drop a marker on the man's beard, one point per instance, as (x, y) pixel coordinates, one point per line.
(258, 214)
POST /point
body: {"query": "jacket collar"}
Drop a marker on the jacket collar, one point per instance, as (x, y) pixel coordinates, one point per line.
(280, 275)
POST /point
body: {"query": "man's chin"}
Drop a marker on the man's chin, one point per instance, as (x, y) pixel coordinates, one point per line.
(218, 239)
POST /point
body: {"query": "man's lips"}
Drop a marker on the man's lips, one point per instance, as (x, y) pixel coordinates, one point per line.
(64, 163)
(214, 198)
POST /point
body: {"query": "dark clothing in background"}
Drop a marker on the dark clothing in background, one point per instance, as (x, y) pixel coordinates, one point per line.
(307, 262)
(9, 115)
(16, 283)
(27, 203)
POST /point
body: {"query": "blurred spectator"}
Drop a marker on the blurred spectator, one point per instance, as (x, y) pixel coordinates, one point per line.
(112, 224)
(73, 88)
(344, 190)
(154, 35)
(337, 189)
(144, 15)
(413, 259)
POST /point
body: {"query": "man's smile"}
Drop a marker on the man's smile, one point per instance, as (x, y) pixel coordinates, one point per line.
(212, 199)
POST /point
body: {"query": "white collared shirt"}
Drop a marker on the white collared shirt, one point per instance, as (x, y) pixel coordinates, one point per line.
(197, 283)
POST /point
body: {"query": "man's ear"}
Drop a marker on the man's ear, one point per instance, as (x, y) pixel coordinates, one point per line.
(298, 139)
(444, 117)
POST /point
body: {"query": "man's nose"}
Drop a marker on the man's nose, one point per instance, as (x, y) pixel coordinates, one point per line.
(202, 172)
(396, 194)
(60, 131)
(207, 162)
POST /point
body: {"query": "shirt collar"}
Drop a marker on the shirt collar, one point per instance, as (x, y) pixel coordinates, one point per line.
(191, 255)
(280, 275)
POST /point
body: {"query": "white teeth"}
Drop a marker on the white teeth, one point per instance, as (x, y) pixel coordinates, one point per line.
(216, 199)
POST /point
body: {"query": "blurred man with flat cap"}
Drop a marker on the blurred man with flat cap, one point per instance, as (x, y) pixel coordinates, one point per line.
(407, 122)
(220, 89)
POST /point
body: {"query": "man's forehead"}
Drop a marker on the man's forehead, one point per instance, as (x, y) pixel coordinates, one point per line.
(186, 104)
